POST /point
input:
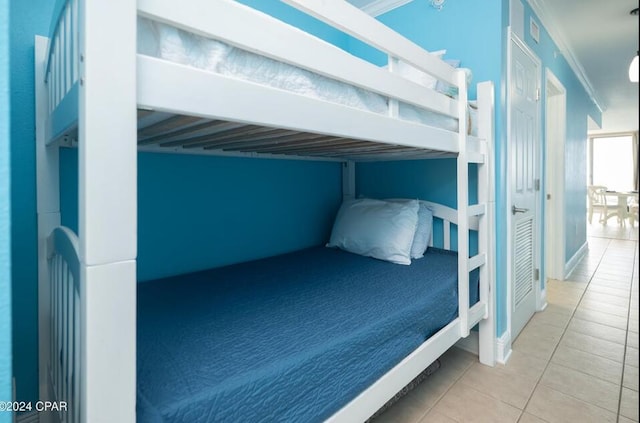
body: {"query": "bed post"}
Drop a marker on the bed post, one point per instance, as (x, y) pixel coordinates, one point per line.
(486, 238)
(48, 211)
(348, 180)
(463, 207)
(108, 208)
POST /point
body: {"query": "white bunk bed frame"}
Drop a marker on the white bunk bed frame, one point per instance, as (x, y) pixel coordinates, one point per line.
(87, 282)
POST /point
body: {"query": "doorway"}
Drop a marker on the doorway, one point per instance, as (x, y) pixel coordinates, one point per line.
(555, 134)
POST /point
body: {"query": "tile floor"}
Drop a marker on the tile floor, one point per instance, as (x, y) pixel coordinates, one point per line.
(577, 361)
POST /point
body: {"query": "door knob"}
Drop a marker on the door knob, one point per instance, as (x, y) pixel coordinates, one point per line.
(515, 210)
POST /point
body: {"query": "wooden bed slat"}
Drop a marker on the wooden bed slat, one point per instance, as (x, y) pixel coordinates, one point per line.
(336, 146)
(233, 137)
(286, 143)
(246, 135)
(224, 127)
(232, 130)
(259, 141)
(167, 125)
(371, 149)
(193, 129)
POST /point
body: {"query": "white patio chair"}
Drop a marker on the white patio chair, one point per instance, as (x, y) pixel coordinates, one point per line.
(633, 210)
(597, 202)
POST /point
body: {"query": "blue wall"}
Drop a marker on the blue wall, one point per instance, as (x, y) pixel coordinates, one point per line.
(198, 212)
(218, 211)
(455, 28)
(5, 234)
(476, 33)
(293, 16)
(414, 179)
(28, 18)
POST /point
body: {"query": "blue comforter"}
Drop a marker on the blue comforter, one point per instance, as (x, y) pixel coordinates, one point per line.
(290, 338)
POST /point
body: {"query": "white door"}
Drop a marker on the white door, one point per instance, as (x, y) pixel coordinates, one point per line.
(524, 144)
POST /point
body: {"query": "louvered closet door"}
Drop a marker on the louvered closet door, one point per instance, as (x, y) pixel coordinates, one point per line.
(523, 162)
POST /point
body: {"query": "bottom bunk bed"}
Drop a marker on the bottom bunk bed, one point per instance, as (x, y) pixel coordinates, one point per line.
(321, 334)
(289, 338)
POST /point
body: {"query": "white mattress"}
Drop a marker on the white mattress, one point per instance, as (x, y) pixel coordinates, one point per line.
(169, 43)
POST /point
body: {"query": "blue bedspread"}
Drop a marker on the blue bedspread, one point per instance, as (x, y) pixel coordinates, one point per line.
(291, 338)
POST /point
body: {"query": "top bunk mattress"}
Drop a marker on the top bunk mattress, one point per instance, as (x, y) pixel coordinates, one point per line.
(166, 42)
(288, 338)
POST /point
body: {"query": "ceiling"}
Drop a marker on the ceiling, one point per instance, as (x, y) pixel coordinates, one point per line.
(601, 38)
(598, 38)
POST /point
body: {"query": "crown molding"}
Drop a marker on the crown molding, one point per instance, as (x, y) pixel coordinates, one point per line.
(378, 7)
(553, 28)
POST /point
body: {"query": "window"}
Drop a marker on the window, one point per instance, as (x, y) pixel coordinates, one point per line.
(612, 161)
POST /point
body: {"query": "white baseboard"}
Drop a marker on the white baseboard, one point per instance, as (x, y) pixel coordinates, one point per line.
(541, 304)
(573, 262)
(503, 348)
(472, 344)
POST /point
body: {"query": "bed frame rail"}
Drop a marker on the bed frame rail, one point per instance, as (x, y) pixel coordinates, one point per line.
(217, 19)
(349, 19)
(65, 66)
(64, 353)
(61, 72)
(62, 64)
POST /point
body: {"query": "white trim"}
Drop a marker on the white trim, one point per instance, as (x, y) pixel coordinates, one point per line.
(508, 196)
(575, 260)
(555, 32)
(539, 201)
(379, 7)
(503, 348)
(554, 231)
(542, 300)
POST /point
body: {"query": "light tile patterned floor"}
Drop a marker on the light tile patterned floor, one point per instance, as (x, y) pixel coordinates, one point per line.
(577, 361)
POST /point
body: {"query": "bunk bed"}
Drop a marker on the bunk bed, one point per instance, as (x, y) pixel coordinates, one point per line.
(93, 316)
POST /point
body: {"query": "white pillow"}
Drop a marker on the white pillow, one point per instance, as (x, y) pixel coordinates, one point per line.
(376, 228)
(423, 230)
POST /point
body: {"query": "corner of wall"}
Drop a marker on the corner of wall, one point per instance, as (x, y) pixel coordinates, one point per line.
(5, 231)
